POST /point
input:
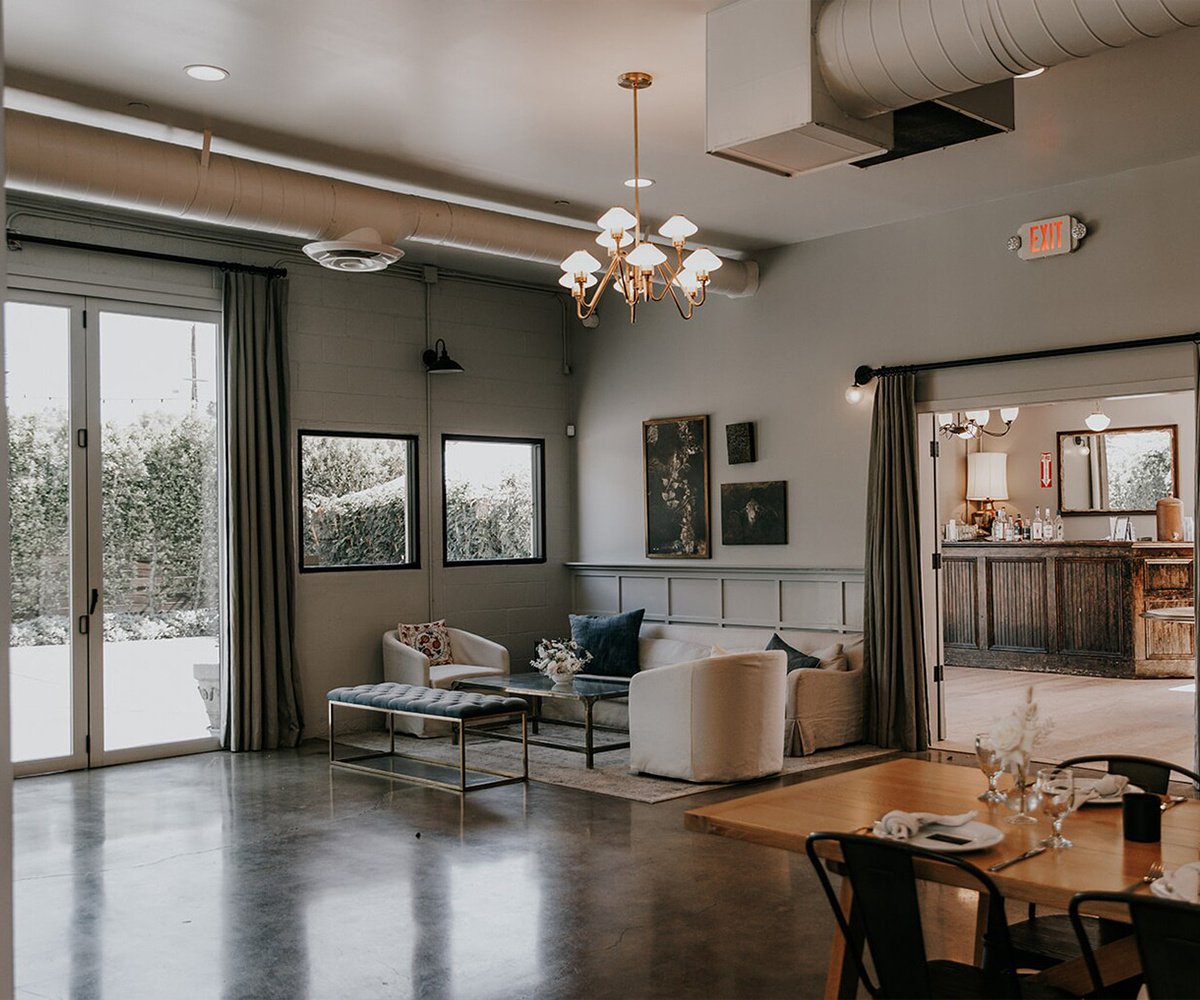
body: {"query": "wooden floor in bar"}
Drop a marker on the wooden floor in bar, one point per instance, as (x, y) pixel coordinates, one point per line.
(1149, 717)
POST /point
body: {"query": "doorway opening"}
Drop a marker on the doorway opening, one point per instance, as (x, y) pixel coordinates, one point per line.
(117, 562)
(1052, 570)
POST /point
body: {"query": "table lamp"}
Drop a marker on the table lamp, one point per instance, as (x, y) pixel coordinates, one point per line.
(987, 482)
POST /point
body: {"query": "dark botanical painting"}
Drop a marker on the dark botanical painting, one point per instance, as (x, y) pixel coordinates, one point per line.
(675, 451)
(739, 440)
(754, 513)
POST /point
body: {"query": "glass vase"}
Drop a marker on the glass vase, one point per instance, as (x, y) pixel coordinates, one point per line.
(1022, 797)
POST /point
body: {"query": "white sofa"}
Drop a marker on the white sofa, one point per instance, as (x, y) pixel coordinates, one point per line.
(474, 656)
(823, 708)
(712, 719)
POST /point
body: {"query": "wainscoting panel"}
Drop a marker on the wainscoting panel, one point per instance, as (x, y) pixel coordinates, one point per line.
(819, 600)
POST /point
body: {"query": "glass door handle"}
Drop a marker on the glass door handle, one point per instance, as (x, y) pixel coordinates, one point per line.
(94, 601)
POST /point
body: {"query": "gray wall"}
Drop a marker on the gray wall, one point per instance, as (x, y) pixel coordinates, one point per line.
(355, 346)
(940, 287)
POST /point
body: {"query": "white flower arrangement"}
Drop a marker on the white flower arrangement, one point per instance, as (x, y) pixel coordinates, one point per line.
(560, 659)
(1014, 736)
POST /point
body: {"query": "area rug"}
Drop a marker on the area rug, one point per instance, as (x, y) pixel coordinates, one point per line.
(610, 776)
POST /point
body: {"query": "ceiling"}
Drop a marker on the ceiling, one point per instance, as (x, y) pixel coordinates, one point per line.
(514, 104)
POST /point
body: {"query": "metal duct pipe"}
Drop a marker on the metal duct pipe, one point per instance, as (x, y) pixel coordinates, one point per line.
(881, 55)
(63, 159)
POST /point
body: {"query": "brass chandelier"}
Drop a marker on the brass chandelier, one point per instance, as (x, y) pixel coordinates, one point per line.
(636, 266)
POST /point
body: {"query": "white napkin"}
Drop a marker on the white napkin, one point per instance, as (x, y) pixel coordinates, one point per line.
(1101, 788)
(1183, 883)
(900, 825)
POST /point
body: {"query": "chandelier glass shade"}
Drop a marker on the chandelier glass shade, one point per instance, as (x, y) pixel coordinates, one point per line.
(638, 270)
(973, 423)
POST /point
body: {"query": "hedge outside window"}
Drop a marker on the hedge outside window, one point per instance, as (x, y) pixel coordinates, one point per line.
(358, 501)
(493, 500)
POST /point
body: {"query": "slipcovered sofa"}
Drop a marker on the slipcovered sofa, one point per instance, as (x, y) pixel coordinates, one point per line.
(713, 719)
(823, 707)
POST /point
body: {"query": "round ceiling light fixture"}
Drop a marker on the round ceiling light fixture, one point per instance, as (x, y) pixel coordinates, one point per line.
(361, 250)
(1097, 420)
(639, 182)
(206, 72)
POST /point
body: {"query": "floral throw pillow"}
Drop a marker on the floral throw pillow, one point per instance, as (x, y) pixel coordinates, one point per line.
(430, 638)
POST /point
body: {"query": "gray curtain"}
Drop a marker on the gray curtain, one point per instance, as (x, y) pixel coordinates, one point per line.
(1195, 575)
(897, 713)
(264, 702)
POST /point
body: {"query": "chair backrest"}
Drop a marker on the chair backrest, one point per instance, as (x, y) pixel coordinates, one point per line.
(887, 916)
(1146, 772)
(1168, 940)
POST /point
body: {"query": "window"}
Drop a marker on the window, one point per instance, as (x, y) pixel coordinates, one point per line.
(358, 501)
(493, 500)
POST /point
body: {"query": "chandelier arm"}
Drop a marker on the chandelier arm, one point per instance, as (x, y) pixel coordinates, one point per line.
(637, 198)
(601, 285)
(668, 276)
(675, 298)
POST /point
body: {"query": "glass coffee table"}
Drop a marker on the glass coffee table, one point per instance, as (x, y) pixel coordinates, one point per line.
(535, 687)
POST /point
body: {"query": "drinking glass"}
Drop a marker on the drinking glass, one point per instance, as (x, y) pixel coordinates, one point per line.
(1056, 789)
(989, 764)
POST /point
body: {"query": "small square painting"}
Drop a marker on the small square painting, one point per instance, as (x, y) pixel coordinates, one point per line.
(739, 441)
(754, 513)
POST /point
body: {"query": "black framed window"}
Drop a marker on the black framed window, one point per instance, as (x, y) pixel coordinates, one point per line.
(358, 501)
(493, 500)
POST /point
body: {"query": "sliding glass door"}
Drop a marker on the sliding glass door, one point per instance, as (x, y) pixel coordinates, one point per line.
(117, 563)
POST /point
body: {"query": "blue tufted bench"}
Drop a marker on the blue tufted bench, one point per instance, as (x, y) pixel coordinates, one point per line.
(460, 708)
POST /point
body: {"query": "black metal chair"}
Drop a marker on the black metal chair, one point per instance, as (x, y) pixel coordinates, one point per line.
(1168, 942)
(1042, 941)
(886, 916)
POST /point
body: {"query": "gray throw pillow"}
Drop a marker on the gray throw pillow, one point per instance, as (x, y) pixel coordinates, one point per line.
(611, 639)
(795, 658)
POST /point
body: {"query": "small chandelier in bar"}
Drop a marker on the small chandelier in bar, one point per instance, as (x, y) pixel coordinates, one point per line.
(634, 265)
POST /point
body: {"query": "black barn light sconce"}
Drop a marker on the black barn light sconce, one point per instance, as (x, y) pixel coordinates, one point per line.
(438, 362)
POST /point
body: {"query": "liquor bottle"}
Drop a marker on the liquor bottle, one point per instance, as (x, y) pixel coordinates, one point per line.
(1058, 527)
(1048, 527)
(1010, 534)
(1035, 529)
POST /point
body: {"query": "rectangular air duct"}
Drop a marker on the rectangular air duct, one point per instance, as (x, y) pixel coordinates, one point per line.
(767, 105)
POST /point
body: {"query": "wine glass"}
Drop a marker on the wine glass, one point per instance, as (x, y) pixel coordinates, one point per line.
(989, 764)
(1056, 789)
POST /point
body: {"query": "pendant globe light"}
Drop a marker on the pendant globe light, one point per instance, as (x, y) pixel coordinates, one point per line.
(635, 266)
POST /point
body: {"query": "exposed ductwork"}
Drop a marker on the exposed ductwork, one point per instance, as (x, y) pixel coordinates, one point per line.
(801, 85)
(64, 159)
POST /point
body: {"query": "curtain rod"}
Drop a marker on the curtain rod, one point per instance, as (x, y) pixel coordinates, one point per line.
(864, 373)
(15, 240)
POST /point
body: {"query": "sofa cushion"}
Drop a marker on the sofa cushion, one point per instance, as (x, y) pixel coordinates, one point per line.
(661, 652)
(832, 657)
(430, 638)
(795, 658)
(611, 639)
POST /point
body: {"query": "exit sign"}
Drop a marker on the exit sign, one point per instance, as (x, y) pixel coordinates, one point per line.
(1048, 237)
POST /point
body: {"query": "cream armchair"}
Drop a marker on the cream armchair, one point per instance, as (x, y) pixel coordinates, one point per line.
(715, 719)
(473, 656)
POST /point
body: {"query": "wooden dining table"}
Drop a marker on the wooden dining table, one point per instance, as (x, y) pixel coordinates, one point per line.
(1100, 859)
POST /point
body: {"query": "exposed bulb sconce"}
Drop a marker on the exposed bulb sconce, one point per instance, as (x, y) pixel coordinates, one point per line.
(438, 362)
(854, 395)
(1097, 420)
(973, 423)
(1082, 445)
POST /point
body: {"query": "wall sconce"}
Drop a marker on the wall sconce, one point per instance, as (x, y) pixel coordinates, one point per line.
(438, 362)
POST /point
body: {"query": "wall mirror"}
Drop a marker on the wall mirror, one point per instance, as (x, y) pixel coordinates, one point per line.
(1123, 470)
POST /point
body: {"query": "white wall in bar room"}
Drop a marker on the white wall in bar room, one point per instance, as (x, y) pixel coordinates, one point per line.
(940, 287)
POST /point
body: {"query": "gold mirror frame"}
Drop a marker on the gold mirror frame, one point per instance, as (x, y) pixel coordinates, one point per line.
(1171, 429)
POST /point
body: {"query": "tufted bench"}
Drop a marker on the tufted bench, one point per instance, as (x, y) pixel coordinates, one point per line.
(460, 708)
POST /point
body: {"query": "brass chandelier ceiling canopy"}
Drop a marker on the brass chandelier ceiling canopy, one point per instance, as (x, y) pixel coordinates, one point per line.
(635, 265)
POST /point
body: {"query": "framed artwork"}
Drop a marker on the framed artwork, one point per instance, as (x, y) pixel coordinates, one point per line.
(675, 460)
(754, 513)
(739, 443)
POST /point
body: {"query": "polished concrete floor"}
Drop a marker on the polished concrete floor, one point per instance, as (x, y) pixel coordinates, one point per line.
(266, 875)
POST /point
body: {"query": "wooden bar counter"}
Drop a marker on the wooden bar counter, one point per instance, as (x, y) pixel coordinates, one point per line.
(1068, 607)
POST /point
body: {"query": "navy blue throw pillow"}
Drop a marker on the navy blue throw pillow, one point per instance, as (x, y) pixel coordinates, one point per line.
(796, 659)
(611, 639)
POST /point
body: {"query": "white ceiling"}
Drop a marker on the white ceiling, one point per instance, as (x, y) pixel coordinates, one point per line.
(514, 103)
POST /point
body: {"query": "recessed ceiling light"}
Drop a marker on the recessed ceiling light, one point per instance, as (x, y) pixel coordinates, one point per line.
(639, 182)
(1032, 73)
(561, 201)
(206, 72)
(137, 106)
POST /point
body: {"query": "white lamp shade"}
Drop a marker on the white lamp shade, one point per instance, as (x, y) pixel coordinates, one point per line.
(980, 417)
(1098, 420)
(645, 256)
(987, 475)
(605, 239)
(945, 419)
(568, 281)
(678, 228)
(616, 220)
(702, 261)
(1009, 413)
(580, 262)
(688, 281)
